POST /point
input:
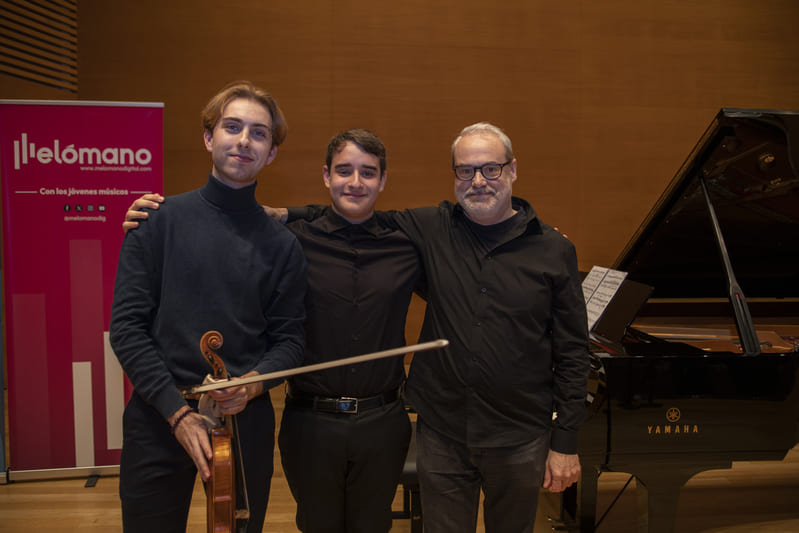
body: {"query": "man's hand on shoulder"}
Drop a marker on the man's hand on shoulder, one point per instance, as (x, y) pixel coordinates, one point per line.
(134, 214)
(281, 214)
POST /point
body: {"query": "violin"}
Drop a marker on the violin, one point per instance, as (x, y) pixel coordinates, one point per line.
(220, 490)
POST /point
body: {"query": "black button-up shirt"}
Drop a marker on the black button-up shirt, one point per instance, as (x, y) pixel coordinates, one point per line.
(508, 299)
(360, 281)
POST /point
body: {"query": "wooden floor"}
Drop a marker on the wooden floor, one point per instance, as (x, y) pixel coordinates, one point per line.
(751, 497)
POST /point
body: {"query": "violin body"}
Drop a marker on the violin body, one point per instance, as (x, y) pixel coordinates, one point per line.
(221, 488)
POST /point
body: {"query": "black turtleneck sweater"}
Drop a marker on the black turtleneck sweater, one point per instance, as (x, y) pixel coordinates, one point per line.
(209, 259)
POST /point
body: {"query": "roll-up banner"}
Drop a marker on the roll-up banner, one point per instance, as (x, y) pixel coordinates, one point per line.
(69, 172)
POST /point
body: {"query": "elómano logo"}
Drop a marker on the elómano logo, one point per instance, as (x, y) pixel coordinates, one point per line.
(26, 152)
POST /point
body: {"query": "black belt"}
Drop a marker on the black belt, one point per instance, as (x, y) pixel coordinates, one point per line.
(342, 404)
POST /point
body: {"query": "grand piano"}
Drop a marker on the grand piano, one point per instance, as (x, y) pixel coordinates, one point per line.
(694, 366)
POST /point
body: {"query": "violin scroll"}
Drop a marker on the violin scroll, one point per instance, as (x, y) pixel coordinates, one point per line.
(211, 341)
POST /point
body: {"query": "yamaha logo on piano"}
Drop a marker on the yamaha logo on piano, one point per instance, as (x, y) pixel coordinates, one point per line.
(673, 416)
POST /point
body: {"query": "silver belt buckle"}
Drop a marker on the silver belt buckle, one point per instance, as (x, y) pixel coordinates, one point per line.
(347, 405)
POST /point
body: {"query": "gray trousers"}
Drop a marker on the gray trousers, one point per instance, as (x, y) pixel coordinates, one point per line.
(451, 476)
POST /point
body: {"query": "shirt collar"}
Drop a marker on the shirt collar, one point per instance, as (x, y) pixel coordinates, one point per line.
(529, 220)
(333, 222)
(532, 221)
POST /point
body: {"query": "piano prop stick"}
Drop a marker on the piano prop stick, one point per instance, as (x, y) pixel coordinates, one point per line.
(743, 319)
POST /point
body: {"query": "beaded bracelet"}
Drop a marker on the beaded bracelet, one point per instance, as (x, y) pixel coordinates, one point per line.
(180, 418)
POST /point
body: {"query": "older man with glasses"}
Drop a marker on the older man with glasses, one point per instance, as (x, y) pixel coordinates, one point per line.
(504, 288)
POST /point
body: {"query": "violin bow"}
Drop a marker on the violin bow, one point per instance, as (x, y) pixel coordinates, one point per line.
(432, 345)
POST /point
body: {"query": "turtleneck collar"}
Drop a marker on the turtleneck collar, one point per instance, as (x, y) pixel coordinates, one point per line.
(228, 198)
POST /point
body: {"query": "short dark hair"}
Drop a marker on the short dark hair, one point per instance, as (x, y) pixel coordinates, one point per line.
(368, 142)
(247, 90)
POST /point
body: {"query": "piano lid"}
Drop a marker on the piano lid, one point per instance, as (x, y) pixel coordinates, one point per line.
(749, 160)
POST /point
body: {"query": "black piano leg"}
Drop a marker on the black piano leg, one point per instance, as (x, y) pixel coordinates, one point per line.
(578, 504)
(658, 495)
(657, 506)
(586, 499)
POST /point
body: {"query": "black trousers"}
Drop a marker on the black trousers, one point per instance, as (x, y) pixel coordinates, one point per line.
(343, 469)
(157, 476)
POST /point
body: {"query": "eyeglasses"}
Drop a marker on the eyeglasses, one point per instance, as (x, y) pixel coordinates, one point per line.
(490, 171)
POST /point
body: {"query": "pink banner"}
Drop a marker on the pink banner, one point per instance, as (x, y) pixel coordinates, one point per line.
(69, 172)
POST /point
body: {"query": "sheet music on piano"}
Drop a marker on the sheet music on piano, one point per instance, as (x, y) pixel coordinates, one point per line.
(599, 288)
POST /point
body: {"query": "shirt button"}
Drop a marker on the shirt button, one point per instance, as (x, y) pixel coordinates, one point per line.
(478, 324)
(483, 290)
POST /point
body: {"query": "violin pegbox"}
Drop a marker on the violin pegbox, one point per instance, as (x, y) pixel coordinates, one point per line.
(209, 343)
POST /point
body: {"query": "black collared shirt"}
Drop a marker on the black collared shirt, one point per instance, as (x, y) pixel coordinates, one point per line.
(360, 281)
(508, 299)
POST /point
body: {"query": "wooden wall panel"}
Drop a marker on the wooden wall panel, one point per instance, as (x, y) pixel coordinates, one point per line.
(13, 88)
(603, 100)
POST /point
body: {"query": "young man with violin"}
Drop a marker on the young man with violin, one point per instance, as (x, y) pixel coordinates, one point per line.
(209, 259)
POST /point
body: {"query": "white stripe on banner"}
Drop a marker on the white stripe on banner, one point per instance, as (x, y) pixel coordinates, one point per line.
(84, 420)
(114, 395)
